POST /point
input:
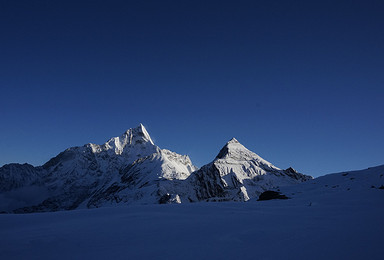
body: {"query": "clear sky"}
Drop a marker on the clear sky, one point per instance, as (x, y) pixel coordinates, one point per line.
(301, 83)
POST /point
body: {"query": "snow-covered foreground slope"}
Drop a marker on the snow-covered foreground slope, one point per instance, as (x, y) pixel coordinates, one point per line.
(319, 222)
(334, 188)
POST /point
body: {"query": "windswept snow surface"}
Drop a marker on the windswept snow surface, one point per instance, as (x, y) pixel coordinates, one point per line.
(338, 216)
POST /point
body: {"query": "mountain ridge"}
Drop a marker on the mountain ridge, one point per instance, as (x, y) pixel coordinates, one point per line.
(130, 169)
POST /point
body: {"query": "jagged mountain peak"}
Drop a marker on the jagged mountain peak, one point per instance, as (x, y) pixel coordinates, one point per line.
(138, 134)
(133, 137)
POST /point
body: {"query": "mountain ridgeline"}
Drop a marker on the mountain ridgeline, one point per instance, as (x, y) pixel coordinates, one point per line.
(131, 169)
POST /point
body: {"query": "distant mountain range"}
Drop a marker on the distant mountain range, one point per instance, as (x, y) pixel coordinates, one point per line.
(132, 169)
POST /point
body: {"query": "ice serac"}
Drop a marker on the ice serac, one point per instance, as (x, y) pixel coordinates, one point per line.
(237, 174)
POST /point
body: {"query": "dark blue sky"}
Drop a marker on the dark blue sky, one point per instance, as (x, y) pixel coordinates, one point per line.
(301, 83)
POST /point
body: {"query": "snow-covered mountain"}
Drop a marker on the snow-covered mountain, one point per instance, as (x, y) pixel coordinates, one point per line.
(237, 174)
(132, 169)
(90, 175)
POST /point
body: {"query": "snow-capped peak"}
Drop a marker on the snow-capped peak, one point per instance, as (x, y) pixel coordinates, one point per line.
(230, 148)
(233, 141)
(139, 135)
(233, 149)
(137, 138)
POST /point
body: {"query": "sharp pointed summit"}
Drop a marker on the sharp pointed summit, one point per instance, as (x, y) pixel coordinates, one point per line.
(225, 151)
(235, 150)
(139, 134)
(233, 141)
(133, 137)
